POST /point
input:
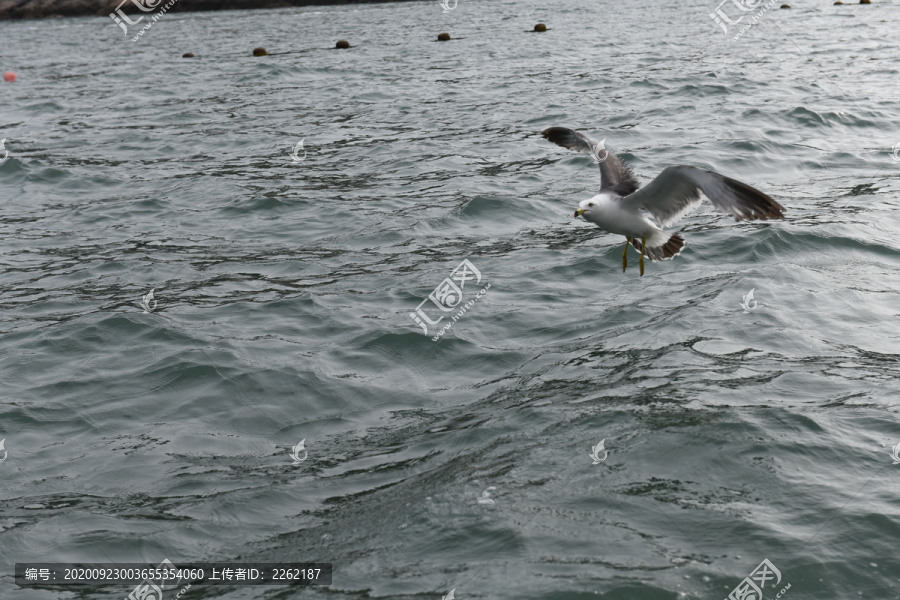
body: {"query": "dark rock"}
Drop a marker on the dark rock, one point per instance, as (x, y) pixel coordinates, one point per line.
(41, 9)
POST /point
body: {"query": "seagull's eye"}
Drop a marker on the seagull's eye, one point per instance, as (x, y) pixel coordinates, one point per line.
(590, 204)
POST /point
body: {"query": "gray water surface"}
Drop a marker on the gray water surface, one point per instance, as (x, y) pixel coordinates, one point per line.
(284, 289)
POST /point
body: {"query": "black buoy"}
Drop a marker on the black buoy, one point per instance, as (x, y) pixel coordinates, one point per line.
(342, 44)
(540, 27)
(785, 6)
(443, 37)
(187, 55)
(260, 52)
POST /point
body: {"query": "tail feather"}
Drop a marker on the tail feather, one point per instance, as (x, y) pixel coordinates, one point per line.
(661, 246)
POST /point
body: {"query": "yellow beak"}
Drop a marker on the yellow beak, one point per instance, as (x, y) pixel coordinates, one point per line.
(579, 212)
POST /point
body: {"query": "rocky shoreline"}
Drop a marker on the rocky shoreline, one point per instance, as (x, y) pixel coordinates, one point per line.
(41, 9)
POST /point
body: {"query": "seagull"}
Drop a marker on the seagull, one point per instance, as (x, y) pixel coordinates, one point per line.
(674, 193)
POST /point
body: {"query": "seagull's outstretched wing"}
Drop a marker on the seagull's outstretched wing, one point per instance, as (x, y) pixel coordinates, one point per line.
(613, 172)
(676, 191)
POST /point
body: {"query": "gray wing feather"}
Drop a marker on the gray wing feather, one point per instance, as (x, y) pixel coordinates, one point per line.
(676, 191)
(613, 172)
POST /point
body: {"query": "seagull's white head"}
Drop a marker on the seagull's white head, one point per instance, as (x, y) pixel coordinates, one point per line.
(590, 209)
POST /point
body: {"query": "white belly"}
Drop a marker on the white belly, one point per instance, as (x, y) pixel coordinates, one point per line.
(614, 219)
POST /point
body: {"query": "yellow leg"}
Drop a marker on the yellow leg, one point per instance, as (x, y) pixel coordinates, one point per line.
(625, 255)
(643, 245)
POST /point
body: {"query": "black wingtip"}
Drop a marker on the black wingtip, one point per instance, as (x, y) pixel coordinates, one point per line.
(557, 134)
(760, 205)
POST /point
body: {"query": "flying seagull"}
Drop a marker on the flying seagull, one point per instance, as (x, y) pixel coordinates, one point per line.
(674, 193)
